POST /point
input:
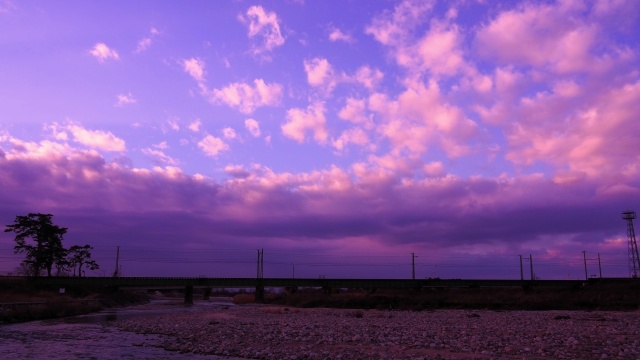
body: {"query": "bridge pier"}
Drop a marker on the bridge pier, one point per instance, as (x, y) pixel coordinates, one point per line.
(206, 294)
(188, 295)
(260, 294)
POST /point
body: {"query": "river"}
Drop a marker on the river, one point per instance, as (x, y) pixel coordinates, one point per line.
(94, 336)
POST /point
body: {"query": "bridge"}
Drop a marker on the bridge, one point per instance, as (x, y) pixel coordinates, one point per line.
(189, 283)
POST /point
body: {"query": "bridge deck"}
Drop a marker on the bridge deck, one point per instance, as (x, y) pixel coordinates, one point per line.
(151, 282)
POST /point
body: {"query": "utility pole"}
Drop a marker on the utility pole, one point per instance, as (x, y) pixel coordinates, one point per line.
(599, 266)
(259, 277)
(116, 273)
(413, 266)
(521, 272)
(634, 258)
(586, 274)
(260, 272)
(293, 271)
(531, 266)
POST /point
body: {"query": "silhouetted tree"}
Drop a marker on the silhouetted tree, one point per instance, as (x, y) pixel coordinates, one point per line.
(46, 247)
(77, 256)
(25, 269)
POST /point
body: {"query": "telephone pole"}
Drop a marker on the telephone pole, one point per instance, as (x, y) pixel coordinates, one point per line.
(531, 267)
(634, 259)
(260, 272)
(259, 277)
(116, 273)
(521, 272)
(413, 266)
(586, 274)
(599, 266)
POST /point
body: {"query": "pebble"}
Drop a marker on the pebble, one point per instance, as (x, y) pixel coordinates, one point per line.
(267, 332)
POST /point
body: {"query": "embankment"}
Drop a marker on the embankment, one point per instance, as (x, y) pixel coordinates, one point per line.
(22, 301)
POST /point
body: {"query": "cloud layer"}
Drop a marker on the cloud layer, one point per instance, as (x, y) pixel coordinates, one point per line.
(467, 133)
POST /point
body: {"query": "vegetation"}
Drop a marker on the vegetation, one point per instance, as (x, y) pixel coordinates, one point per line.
(244, 299)
(22, 300)
(594, 296)
(41, 241)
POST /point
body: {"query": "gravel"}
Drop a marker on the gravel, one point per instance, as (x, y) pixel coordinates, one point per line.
(268, 332)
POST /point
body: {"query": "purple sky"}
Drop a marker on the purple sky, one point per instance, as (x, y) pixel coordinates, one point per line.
(340, 136)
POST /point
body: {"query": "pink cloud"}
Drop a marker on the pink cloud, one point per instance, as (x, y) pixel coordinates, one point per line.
(392, 28)
(264, 24)
(595, 139)
(356, 136)
(397, 167)
(162, 145)
(338, 35)
(159, 157)
(212, 145)
(542, 35)
(253, 126)
(97, 139)
(320, 73)
(509, 86)
(44, 150)
(237, 171)
(246, 98)
(300, 121)
(476, 83)
(420, 117)
(125, 99)
(369, 78)
(103, 53)
(145, 42)
(434, 169)
(195, 68)
(229, 133)
(355, 111)
(566, 88)
(195, 125)
(438, 52)
(173, 125)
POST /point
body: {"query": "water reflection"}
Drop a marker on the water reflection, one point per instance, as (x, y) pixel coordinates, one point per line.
(93, 336)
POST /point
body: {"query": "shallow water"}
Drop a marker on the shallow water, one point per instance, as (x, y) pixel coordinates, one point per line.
(92, 336)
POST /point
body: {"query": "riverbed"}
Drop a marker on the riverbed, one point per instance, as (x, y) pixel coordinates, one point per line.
(168, 330)
(275, 333)
(95, 336)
